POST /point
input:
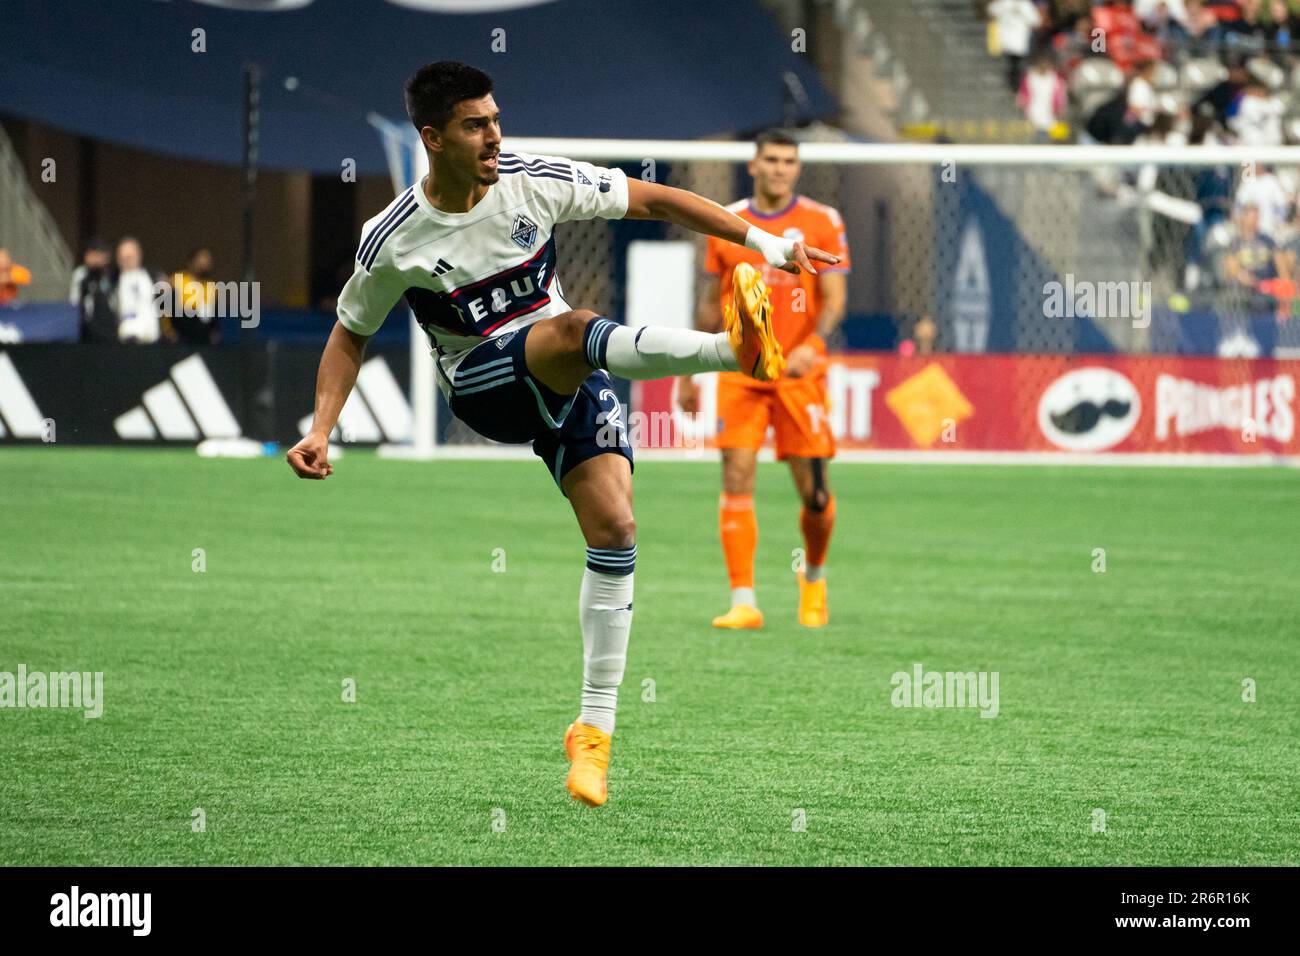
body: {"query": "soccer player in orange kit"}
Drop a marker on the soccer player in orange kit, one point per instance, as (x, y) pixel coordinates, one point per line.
(805, 309)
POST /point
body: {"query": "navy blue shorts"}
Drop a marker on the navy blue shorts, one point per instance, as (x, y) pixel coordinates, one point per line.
(493, 393)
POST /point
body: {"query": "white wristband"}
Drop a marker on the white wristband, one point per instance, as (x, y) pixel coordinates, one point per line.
(774, 249)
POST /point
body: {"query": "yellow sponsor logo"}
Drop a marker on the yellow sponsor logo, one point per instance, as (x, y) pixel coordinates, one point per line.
(924, 402)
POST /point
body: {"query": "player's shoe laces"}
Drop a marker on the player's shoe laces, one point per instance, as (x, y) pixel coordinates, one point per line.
(812, 602)
(748, 321)
(588, 748)
(740, 617)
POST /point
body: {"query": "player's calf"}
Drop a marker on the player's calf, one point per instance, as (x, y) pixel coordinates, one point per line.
(816, 521)
(600, 491)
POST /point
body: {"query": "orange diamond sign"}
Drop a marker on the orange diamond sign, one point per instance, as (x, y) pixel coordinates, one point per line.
(925, 401)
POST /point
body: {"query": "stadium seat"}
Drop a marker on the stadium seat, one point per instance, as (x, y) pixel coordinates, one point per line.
(1091, 100)
(1172, 102)
(1165, 77)
(1201, 74)
(1094, 82)
(1266, 71)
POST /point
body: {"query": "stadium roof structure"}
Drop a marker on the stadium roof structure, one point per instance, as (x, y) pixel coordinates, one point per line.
(129, 71)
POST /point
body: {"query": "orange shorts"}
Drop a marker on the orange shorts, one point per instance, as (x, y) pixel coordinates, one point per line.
(796, 408)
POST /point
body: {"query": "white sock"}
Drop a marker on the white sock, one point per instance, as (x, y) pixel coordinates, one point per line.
(741, 596)
(654, 351)
(811, 574)
(605, 609)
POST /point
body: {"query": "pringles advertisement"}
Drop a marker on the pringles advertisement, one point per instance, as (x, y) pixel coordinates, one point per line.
(1026, 403)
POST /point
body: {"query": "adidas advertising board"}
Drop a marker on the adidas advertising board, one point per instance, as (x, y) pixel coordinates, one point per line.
(87, 394)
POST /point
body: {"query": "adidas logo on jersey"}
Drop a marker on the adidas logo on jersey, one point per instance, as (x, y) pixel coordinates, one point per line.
(442, 268)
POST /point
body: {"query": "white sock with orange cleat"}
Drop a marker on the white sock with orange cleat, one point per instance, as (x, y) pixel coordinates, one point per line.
(605, 609)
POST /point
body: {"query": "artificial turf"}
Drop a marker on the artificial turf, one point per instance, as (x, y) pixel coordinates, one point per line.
(223, 690)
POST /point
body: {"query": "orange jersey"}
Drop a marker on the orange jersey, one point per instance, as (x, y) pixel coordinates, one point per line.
(796, 299)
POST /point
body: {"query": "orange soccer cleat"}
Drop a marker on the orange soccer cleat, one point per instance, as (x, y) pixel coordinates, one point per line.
(748, 321)
(812, 602)
(740, 617)
(588, 748)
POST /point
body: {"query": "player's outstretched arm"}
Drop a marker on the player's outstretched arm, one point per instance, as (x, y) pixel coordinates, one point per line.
(339, 365)
(684, 208)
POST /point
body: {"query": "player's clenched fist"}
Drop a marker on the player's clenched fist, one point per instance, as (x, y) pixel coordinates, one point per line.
(309, 458)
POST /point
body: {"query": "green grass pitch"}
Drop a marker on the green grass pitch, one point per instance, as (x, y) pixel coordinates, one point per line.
(1120, 691)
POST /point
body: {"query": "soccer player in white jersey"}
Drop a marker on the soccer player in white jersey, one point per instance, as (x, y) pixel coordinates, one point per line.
(471, 249)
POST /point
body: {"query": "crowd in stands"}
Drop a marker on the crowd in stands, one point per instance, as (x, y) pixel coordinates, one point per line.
(119, 299)
(1227, 63)
(1177, 72)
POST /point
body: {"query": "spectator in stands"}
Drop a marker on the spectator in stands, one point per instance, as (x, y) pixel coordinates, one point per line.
(1264, 190)
(1064, 15)
(924, 334)
(1214, 196)
(1108, 123)
(1142, 101)
(1076, 44)
(1202, 25)
(1167, 30)
(1115, 16)
(1124, 37)
(1281, 28)
(1221, 99)
(12, 278)
(197, 322)
(1152, 12)
(1249, 32)
(1042, 97)
(1257, 118)
(137, 305)
(1288, 261)
(1251, 258)
(1016, 20)
(94, 295)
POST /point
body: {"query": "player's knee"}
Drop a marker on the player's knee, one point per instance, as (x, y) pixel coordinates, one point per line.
(617, 532)
(737, 485)
(818, 500)
(571, 328)
(818, 496)
(737, 479)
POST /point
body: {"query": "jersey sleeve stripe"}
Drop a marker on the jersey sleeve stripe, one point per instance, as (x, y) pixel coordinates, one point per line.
(398, 206)
(562, 177)
(511, 159)
(535, 170)
(388, 231)
(517, 161)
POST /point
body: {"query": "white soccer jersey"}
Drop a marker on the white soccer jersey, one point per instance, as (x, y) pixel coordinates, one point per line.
(474, 275)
